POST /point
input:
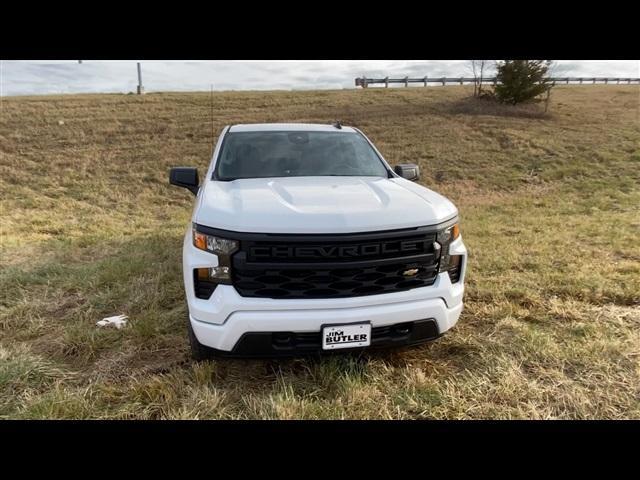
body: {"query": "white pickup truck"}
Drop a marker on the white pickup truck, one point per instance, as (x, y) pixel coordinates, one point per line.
(304, 240)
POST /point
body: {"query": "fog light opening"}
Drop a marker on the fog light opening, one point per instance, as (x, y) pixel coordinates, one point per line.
(203, 286)
(282, 338)
(402, 329)
(455, 262)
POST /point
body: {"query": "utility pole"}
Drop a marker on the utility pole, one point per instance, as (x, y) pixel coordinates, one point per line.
(140, 87)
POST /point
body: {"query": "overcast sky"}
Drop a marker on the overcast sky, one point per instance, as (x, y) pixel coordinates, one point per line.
(68, 76)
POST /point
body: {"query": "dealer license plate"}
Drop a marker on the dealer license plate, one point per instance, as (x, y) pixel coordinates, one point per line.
(346, 336)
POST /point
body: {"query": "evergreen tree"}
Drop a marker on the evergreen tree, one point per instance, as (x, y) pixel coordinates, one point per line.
(521, 80)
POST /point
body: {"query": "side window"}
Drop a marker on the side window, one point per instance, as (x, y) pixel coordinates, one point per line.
(216, 152)
(365, 158)
(228, 159)
(224, 159)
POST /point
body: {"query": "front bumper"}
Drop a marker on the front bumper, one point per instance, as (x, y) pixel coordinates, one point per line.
(222, 320)
(286, 344)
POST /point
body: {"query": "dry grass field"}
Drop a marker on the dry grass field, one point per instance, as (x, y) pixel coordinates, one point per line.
(550, 211)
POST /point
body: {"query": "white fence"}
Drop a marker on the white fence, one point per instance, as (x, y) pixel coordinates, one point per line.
(365, 82)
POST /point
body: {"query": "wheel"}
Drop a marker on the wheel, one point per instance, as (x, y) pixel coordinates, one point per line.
(199, 352)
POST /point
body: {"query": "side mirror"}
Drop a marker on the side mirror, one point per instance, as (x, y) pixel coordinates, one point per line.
(410, 171)
(186, 177)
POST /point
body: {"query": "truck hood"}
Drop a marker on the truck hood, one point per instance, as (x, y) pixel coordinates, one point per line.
(319, 205)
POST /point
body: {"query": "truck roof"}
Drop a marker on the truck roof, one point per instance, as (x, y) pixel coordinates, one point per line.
(272, 127)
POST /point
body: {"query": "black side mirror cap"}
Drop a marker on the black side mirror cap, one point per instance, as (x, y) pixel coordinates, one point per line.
(186, 177)
(410, 171)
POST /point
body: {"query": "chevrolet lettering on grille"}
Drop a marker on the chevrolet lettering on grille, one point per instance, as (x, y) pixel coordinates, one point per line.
(338, 251)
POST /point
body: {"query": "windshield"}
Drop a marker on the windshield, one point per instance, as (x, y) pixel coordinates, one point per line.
(297, 154)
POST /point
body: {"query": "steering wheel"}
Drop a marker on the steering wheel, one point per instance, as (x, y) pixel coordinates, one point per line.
(287, 165)
(347, 167)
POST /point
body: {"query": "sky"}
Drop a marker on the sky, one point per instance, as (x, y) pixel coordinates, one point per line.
(92, 76)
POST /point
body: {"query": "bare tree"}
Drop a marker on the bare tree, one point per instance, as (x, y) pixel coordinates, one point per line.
(478, 68)
(554, 70)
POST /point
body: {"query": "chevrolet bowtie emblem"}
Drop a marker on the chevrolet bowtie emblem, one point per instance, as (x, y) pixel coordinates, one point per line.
(410, 273)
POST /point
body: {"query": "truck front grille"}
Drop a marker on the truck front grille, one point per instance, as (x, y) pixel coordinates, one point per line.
(334, 266)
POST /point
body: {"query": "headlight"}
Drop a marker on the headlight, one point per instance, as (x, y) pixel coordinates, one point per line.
(217, 245)
(449, 234)
(448, 263)
(207, 279)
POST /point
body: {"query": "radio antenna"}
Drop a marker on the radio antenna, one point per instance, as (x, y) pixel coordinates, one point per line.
(212, 134)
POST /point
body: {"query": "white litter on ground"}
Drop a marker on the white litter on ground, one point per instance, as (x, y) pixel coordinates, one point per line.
(117, 321)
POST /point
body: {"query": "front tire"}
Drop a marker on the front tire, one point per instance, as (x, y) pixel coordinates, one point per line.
(199, 352)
